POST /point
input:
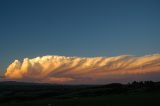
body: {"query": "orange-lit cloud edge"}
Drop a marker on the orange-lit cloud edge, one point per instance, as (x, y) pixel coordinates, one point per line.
(83, 70)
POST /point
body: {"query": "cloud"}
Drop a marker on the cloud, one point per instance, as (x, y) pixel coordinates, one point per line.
(82, 70)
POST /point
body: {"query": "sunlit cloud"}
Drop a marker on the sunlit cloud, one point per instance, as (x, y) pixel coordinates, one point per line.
(82, 70)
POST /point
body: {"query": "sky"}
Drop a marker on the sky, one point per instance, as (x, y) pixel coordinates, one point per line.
(84, 28)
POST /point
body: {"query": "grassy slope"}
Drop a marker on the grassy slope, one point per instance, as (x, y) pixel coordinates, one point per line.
(147, 99)
(108, 95)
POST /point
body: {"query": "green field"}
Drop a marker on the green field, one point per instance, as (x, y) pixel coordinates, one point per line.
(137, 94)
(110, 100)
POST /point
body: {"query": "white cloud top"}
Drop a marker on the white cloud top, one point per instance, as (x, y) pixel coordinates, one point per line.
(78, 70)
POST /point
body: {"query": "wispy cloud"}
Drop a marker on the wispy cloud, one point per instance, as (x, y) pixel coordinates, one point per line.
(79, 70)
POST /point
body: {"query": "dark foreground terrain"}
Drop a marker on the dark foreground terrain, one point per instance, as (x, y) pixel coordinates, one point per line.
(32, 94)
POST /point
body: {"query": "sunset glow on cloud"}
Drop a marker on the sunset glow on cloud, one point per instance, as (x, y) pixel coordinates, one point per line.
(82, 70)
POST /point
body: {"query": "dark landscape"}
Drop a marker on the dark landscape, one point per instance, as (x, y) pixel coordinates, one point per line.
(115, 94)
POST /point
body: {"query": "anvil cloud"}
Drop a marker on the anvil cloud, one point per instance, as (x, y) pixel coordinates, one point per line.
(82, 70)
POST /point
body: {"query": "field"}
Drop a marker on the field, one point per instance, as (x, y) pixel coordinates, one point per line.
(26, 94)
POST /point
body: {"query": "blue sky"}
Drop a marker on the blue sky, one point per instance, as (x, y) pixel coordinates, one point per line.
(31, 28)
